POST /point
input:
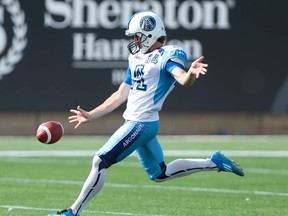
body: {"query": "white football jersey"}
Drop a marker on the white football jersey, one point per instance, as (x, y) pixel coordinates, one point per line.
(150, 82)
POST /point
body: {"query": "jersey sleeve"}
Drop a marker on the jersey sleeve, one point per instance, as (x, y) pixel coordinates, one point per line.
(176, 56)
(170, 65)
(128, 79)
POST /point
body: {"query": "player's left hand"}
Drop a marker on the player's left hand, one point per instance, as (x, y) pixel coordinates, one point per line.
(197, 67)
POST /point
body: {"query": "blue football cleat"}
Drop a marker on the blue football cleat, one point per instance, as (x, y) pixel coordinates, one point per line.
(64, 212)
(225, 164)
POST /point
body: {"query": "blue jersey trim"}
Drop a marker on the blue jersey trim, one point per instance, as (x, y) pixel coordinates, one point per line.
(171, 65)
(128, 79)
(164, 84)
(177, 55)
(177, 58)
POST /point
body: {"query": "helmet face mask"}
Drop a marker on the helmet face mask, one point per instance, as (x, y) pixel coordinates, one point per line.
(148, 27)
(135, 46)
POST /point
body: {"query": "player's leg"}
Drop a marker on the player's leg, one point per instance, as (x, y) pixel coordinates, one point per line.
(125, 140)
(152, 159)
(91, 187)
(182, 167)
(122, 143)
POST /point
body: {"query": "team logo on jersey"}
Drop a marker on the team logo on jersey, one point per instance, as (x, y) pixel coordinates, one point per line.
(138, 73)
(138, 79)
(11, 52)
(147, 23)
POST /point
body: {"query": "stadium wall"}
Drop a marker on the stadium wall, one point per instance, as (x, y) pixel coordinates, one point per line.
(171, 124)
(55, 55)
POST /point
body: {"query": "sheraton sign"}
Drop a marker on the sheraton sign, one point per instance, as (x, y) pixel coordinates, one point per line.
(93, 51)
(68, 51)
(115, 14)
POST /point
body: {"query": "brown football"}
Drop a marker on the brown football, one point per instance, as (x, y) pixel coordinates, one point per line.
(50, 132)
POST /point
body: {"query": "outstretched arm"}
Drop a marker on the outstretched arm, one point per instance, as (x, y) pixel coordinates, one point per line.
(188, 78)
(115, 100)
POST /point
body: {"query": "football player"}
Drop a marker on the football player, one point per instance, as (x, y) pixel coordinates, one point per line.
(153, 71)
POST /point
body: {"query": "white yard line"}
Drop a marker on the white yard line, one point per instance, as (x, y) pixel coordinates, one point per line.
(35, 160)
(159, 187)
(176, 153)
(267, 171)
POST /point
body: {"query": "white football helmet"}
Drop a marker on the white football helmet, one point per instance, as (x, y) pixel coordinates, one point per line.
(148, 26)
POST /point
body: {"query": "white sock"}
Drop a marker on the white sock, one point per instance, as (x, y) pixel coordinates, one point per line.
(184, 167)
(91, 187)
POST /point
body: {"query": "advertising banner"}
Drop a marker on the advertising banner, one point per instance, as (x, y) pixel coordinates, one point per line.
(57, 54)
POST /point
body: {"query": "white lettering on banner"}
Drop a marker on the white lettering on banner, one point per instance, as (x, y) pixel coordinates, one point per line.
(112, 14)
(19, 41)
(58, 8)
(93, 51)
(87, 47)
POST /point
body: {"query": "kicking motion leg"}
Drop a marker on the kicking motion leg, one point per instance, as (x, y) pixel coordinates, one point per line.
(151, 157)
(184, 167)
